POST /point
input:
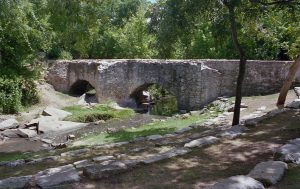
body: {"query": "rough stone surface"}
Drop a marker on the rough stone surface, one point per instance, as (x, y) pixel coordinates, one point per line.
(15, 182)
(294, 105)
(166, 155)
(195, 83)
(237, 182)
(57, 176)
(8, 124)
(103, 171)
(60, 114)
(205, 141)
(269, 172)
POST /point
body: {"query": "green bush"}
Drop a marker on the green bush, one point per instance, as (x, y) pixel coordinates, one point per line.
(15, 93)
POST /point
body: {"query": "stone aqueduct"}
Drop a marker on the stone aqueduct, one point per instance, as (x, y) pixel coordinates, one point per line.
(194, 82)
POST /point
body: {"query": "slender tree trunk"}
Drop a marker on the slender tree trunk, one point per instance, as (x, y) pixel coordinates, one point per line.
(288, 82)
(242, 66)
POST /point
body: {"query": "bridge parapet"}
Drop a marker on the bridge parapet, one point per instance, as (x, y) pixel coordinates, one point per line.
(194, 82)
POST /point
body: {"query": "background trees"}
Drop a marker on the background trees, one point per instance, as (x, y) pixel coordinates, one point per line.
(30, 29)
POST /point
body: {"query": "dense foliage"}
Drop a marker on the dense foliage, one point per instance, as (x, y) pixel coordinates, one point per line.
(55, 29)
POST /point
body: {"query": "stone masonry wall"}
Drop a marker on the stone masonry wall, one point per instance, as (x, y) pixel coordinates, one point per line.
(194, 82)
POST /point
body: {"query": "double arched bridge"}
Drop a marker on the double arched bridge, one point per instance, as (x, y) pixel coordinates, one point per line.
(194, 83)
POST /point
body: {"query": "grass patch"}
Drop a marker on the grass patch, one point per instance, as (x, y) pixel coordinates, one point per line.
(156, 127)
(96, 113)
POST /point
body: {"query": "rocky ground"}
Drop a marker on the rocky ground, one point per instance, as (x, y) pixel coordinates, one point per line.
(199, 156)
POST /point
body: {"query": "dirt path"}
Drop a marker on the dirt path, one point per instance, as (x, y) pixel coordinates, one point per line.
(205, 166)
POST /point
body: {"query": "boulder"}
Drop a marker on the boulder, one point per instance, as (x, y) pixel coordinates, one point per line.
(269, 172)
(15, 182)
(57, 176)
(183, 130)
(60, 114)
(13, 163)
(10, 133)
(104, 171)
(154, 137)
(9, 124)
(294, 105)
(205, 141)
(237, 182)
(290, 153)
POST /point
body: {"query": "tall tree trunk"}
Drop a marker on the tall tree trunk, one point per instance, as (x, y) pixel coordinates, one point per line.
(288, 82)
(242, 66)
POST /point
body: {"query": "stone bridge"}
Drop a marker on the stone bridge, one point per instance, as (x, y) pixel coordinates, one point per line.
(195, 83)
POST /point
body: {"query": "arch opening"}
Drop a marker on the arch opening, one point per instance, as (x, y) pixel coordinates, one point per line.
(85, 91)
(154, 99)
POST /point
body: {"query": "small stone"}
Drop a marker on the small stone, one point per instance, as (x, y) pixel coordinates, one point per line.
(47, 141)
(71, 137)
(201, 142)
(269, 172)
(57, 176)
(237, 182)
(15, 182)
(9, 124)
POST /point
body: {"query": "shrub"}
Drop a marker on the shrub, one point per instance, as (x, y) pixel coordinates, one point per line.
(15, 93)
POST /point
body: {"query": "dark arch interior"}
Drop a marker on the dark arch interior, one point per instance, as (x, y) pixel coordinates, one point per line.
(82, 87)
(154, 99)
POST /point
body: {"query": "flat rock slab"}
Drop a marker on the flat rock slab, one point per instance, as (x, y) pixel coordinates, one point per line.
(15, 182)
(103, 158)
(82, 163)
(237, 182)
(269, 172)
(60, 114)
(201, 142)
(13, 163)
(9, 124)
(57, 176)
(99, 171)
(52, 124)
(26, 133)
(166, 155)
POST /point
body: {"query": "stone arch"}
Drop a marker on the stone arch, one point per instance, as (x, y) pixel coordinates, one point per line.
(85, 89)
(143, 98)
